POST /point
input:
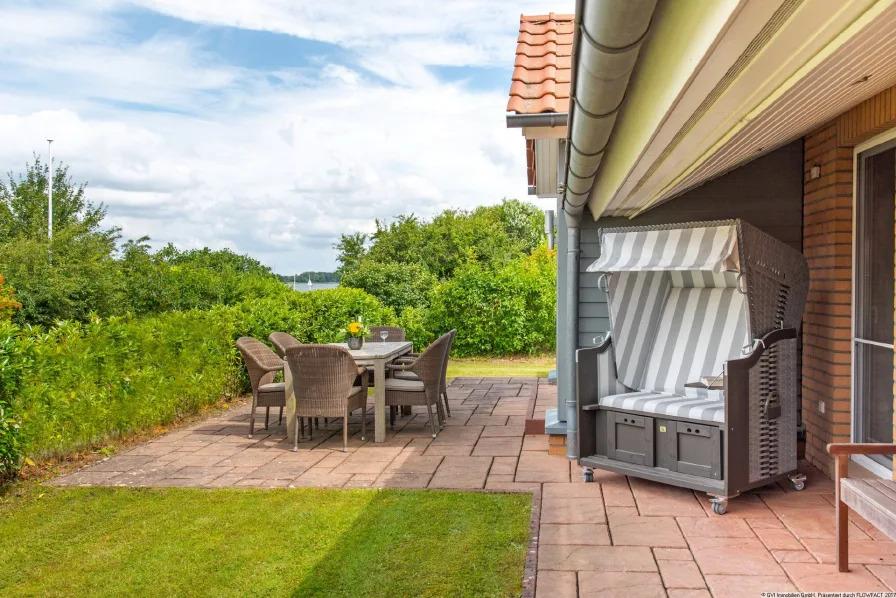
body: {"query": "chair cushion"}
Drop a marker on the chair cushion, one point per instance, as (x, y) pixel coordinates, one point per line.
(272, 387)
(404, 375)
(404, 385)
(655, 403)
(699, 330)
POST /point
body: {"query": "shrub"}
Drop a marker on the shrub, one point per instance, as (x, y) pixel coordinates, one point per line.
(15, 358)
(312, 317)
(8, 303)
(413, 321)
(398, 286)
(508, 311)
(79, 384)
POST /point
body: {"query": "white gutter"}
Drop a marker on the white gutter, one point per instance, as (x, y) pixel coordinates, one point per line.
(606, 43)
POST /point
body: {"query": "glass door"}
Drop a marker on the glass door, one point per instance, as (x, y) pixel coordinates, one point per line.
(874, 300)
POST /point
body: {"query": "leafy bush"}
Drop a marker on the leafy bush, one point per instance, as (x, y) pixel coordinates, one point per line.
(312, 317)
(8, 303)
(78, 384)
(398, 286)
(499, 312)
(14, 360)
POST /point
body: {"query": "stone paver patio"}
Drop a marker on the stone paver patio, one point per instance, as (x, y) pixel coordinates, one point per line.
(617, 536)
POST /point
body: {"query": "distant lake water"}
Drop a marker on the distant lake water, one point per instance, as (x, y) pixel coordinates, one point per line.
(317, 286)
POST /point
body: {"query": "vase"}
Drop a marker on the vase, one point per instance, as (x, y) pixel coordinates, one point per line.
(355, 342)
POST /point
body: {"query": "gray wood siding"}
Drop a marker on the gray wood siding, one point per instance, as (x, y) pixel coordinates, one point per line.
(767, 193)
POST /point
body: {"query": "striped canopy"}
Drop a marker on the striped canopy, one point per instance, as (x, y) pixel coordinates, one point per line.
(704, 249)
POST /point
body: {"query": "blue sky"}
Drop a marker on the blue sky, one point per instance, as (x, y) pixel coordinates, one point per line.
(266, 126)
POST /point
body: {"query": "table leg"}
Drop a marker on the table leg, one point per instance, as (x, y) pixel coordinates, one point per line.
(290, 402)
(379, 400)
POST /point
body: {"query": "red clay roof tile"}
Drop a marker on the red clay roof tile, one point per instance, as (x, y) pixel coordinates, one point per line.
(542, 66)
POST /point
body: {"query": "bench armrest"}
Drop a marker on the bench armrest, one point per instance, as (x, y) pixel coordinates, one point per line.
(859, 448)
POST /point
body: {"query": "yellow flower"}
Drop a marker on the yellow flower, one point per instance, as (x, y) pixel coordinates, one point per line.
(354, 327)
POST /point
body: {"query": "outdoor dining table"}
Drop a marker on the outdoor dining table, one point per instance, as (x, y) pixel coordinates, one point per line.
(373, 353)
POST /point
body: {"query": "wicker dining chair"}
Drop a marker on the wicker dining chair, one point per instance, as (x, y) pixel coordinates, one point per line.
(425, 390)
(396, 334)
(443, 390)
(282, 341)
(262, 365)
(323, 378)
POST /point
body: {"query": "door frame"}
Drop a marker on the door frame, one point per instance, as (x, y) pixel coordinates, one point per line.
(866, 462)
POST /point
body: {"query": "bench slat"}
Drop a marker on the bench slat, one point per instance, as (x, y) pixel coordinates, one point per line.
(875, 501)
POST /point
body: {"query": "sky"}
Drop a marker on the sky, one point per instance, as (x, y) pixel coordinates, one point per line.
(268, 127)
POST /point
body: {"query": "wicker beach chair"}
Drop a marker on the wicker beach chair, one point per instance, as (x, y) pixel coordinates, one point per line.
(262, 365)
(282, 341)
(426, 389)
(443, 390)
(323, 378)
(696, 383)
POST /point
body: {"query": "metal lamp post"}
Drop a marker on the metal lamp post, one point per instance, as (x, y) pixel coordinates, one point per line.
(50, 194)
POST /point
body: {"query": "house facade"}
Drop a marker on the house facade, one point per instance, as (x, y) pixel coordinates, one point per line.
(781, 113)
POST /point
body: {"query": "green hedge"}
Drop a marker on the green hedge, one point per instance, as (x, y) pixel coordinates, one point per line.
(78, 384)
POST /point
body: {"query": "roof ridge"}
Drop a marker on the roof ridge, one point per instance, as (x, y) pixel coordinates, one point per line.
(548, 17)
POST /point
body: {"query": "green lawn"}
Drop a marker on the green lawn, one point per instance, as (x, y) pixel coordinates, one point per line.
(297, 542)
(498, 366)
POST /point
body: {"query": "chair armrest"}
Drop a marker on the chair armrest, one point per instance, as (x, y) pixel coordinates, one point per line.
(859, 448)
(775, 336)
(401, 366)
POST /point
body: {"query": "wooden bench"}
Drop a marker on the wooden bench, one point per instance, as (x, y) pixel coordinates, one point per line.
(873, 499)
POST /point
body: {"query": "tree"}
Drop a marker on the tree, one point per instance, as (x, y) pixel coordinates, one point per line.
(490, 235)
(24, 205)
(73, 275)
(350, 249)
(398, 286)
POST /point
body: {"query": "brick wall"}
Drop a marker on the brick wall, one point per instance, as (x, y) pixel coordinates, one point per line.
(827, 245)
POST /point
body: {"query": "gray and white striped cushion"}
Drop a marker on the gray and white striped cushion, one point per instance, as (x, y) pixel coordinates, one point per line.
(654, 403)
(636, 302)
(699, 329)
(712, 248)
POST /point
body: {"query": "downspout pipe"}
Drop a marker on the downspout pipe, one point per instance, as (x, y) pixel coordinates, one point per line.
(606, 43)
(568, 358)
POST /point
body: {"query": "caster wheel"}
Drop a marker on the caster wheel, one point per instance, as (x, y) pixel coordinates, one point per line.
(587, 476)
(798, 485)
(719, 508)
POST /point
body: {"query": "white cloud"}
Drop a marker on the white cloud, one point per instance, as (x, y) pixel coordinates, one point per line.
(276, 170)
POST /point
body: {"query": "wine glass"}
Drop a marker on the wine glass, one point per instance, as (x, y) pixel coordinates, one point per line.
(384, 334)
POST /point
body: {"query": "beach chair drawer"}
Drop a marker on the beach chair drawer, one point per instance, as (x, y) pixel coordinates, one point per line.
(630, 438)
(688, 447)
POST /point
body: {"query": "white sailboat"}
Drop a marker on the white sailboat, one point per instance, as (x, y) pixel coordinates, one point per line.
(310, 284)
